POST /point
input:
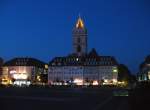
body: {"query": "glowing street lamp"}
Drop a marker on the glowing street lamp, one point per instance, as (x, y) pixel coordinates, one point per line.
(115, 81)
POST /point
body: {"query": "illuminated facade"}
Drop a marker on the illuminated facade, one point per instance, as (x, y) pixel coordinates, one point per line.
(82, 67)
(86, 68)
(23, 70)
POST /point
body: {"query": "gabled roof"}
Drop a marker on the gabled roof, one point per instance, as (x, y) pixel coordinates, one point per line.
(93, 53)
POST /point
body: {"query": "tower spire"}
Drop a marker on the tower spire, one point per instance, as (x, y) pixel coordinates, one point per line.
(80, 38)
(80, 23)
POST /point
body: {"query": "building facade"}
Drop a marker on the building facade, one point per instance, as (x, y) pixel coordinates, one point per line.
(23, 70)
(82, 67)
(86, 69)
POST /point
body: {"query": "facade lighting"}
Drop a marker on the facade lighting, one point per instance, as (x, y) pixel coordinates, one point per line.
(115, 70)
(20, 83)
(20, 76)
(6, 81)
(114, 80)
(95, 83)
(78, 81)
(77, 59)
(46, 66)
(38, 78)
(105, 80)
(149, 75)
(13, 72)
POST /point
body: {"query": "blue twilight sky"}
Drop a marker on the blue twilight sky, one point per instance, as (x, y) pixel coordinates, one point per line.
(43, 28)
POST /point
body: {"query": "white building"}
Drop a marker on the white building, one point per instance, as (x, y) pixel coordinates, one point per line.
(86, 68)
(81, 66)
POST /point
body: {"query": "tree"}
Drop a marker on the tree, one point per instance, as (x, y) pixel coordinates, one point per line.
(44, 78)
(124, 74)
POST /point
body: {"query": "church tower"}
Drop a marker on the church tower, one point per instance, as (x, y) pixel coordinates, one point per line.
(80, 38)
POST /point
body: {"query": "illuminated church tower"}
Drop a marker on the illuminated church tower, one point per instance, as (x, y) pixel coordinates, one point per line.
(80, 38)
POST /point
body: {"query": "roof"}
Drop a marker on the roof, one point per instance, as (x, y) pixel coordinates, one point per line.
(80, 23)
(24, 61)
(92, 59)
(93, 53)
(145, 63)
(79, 27)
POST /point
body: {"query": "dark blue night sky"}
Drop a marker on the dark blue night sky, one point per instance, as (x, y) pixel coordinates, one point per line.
(43, 28)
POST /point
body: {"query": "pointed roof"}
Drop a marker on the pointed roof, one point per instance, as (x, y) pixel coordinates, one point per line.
(80, 23)
(93, 53)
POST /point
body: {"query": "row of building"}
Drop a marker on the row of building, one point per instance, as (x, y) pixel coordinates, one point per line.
(60, 70)
(81, 67)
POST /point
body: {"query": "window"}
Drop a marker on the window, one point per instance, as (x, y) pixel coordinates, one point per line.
(79, 48)
(78, 40)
